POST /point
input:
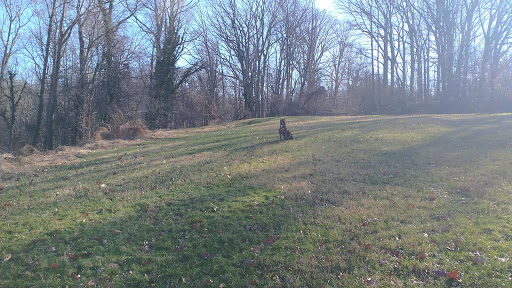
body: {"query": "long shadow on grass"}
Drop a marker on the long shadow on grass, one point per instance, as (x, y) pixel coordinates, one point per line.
(194, 234)
(188, 234)
(441, 161)
(464, 145)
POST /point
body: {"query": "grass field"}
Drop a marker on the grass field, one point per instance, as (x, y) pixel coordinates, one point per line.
(398, 201)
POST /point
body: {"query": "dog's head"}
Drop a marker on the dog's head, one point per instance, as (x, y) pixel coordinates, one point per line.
(283, 122)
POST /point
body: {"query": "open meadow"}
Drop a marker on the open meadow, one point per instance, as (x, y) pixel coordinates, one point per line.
(373, 201)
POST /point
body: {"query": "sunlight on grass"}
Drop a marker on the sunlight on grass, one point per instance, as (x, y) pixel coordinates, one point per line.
(375, 201)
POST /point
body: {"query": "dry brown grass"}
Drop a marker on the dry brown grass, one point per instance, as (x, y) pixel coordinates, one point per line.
(398, 201)
(27, 150)
(25, 162)
(100, 134)
(130, 130)
(133, 129)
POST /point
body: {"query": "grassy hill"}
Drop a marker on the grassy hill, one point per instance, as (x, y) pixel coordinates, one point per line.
(420, 201)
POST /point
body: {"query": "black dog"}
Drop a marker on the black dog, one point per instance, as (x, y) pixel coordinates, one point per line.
(284, 132)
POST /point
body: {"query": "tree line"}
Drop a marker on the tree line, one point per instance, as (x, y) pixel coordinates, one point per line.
(455, 52)
(71, 67)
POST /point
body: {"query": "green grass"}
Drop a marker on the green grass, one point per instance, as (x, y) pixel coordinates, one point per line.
(350, 202)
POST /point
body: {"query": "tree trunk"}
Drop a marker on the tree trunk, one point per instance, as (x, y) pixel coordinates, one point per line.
(385, 55)
(40, 106)
(51, 106)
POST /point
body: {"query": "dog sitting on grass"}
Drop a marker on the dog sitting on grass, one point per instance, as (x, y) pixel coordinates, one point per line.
(284, 132)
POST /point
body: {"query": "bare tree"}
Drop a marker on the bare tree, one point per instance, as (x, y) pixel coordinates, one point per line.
(63, 26)
(466, 37)
(339, 63)
(14, 18)
(88, 38)
(164, 21)
(207, 51)
(245, 30)
(292, 16)
(45, 46)
(495, 22)
(14, 97)
(377, 21)
(316, 42)
(114, 13)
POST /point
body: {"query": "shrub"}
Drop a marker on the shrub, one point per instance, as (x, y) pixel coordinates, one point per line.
(129, 130)
(27, 150)
(132, 129)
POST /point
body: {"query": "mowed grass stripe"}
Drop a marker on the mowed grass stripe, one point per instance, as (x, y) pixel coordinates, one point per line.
(375, 201)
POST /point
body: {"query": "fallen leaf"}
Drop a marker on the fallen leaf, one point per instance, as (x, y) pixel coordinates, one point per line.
(370, 282)
(184, 280)
(53, 265)
(271, 240)
(397, 253)
(92, 283)
(454, 275)
(256, 249)
(367, 246)
(7, 257)
(113, 265)
(457, 243)
(365, 224)
(196, 225)
(422, 256)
